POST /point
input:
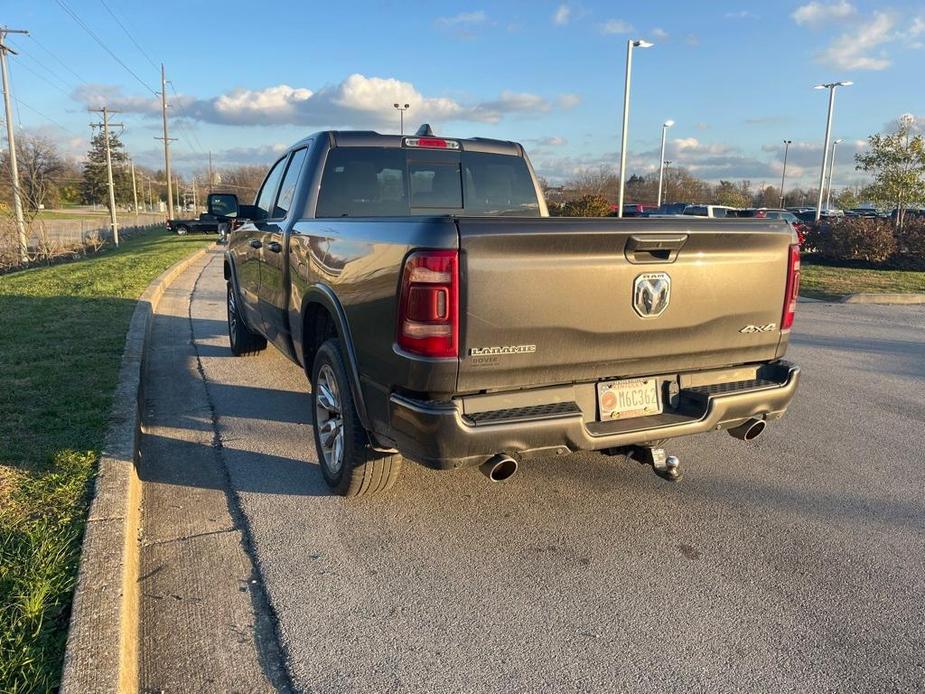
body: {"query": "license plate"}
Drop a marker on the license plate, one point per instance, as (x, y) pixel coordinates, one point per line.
(628, 399)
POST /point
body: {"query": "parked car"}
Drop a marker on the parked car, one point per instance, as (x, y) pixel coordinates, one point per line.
(668, 209)
(865, 212)
(636, 210)
(799, 226)
(711, 211)
(207, 223)
(442, 317)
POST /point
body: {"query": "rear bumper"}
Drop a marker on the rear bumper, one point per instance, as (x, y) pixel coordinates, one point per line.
(440, 435)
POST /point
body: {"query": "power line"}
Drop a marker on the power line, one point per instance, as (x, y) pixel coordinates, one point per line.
(20, 102)
(42, 65)
(129, 34)
(96, 38)
(45, 79)
(63, 64)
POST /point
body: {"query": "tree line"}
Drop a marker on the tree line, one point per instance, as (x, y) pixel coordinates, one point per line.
(895, 162)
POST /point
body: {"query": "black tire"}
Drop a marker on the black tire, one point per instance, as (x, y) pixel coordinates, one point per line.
(241, 340)
(182, 230)
(362, 470)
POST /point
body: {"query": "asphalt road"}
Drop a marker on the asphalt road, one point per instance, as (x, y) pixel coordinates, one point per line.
(794, 563)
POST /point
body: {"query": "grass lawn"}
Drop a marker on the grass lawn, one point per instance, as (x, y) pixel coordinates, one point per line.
(830, 282)
(60, 348)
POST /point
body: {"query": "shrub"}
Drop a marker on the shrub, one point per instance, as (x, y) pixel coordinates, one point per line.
(855, 239)
(587, 206)
(911, 245)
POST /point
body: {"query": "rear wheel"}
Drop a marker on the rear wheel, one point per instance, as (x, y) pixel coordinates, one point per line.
(349, 464)
(242, 341)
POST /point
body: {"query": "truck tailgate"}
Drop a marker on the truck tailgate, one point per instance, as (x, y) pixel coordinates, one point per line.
(551, 300)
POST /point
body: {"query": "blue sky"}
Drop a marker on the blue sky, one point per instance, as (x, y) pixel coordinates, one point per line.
(249, 78)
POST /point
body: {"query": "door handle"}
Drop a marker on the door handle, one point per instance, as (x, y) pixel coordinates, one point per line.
(255, 243)
(654, 248)
(275, 246)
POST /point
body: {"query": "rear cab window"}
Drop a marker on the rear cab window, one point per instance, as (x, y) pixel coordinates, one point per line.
(392, 182)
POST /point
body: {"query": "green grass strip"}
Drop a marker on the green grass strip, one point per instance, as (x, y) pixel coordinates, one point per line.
(831, 282)
(61, 341)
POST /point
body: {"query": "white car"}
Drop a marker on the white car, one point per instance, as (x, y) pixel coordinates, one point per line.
(711, 211)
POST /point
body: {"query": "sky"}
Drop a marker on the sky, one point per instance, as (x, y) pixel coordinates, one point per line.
(248, 79)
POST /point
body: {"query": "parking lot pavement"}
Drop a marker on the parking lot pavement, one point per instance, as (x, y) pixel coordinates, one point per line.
(796, 562)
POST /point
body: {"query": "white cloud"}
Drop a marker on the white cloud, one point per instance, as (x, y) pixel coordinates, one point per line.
(357, 101)
(615, 26)
(741, 14)
(659, 33)
(463, 19)
(567, 101)
(818, 13)
(562, 16)
(551, 141)
(855, 49)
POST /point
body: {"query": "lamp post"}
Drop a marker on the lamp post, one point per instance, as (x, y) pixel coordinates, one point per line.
(666, 164)
(630, 45)
(783, 175)
(831, 86)
(828, 195)
(401, 110)
(661, 168)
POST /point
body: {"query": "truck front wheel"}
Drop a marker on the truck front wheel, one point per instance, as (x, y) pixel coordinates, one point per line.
(350, 466)
(241, 340)
(182, 230)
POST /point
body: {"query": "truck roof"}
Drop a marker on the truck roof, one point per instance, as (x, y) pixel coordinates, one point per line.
(370, 138)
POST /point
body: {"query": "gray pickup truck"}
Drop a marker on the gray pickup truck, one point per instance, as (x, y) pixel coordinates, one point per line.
(441, 316)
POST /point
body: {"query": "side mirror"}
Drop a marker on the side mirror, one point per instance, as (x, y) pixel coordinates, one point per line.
(223, 204)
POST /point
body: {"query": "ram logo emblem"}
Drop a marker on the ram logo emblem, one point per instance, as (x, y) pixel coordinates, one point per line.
(651, 294)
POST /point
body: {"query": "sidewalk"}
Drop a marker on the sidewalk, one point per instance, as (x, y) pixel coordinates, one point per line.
(205, 625)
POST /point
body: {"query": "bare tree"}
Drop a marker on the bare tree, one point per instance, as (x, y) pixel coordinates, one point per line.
(243, 181)
(40, 165)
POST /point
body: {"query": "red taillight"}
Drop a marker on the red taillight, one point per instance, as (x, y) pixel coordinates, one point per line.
(428, 306)
(793, 288)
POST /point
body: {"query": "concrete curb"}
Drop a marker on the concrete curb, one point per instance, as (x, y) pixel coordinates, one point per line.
(906, 298)
(102, 643)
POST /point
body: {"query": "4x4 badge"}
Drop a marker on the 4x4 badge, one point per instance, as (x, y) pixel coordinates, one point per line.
(748, 329)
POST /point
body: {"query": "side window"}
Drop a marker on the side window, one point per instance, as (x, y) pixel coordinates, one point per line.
(268, 192)
(290, 180)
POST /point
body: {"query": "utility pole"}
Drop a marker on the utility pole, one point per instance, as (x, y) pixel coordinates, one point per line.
(134, 187)
(783, 175)
(112, 188)
(210, 171)
(167, 141)
(11, 139)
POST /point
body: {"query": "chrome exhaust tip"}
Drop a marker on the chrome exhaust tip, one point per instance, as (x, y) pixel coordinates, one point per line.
(499, 467)
(749, 431)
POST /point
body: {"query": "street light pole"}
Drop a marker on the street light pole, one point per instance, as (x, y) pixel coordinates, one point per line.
(783, 175)
(667, 163)
(661, 167)
(630, 45)
(401, 110)
(828, 195)
(831, 86)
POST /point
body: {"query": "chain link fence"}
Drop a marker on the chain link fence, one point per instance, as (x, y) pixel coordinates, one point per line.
(53, 239)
